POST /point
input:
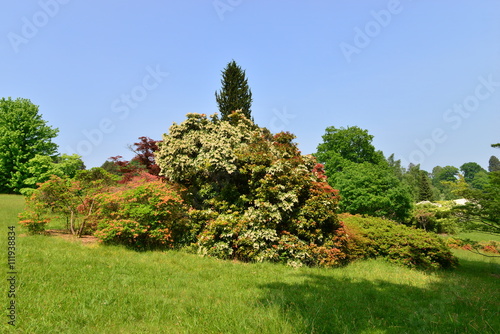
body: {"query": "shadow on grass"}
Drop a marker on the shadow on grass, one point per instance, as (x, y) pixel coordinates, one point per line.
(460, 302)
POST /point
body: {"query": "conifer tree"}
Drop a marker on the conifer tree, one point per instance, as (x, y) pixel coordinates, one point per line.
(494, 164)
(424, 186)
(235, 93)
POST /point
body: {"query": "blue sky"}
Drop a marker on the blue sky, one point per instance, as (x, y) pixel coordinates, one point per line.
(423, 77)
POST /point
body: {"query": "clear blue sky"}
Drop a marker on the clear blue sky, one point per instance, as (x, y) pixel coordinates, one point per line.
(422, 76)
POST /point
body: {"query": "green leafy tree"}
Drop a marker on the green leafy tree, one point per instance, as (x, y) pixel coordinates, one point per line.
(469, 170)
(343, 145)
(419, 183)
(23, 135)
(441, 176)
(480, 180)
(111, 167)
(395, 166)
(367, 182)
(411, 178)
(494, 164)
(447, 173)
(235, 93)
(483, 208)
(372, 190)
(42, 167)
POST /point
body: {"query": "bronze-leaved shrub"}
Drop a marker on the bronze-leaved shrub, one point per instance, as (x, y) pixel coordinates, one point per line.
(144, 213)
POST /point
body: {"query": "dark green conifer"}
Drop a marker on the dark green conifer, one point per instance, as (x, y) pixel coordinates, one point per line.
(424, 187)
(235, 93)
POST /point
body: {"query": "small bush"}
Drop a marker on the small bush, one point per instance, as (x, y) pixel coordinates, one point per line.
(438, 219)
(33, 222)
(415, 248)
(143, 214)
(34, 218)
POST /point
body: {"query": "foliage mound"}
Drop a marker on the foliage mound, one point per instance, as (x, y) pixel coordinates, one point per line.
(254, 196)
(415, 248)
(144, 213)
(438, 218)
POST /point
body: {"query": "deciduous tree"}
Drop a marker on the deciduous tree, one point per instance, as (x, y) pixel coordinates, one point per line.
(145, 150)
(469, 170)
(367, 182)
(483, 209)
(440, 175)
(343, 145)
(23, 135)
(42, 167)
(372, 190)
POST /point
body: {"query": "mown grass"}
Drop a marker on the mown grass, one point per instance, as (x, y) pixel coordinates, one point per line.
(67, 287)
(479, 236)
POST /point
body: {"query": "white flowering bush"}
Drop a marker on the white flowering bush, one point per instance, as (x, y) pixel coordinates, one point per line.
(271, 202)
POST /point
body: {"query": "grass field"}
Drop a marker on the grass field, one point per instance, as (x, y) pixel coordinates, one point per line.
(64, 286)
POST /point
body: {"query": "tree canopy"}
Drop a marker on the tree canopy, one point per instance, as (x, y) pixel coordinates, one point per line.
(470, 170)
(368, 183)
(23, 135)
(42, 167)
(351, 144)
(483, 208)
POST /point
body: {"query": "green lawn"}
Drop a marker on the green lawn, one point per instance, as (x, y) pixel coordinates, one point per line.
(479, 236)
(67, 287)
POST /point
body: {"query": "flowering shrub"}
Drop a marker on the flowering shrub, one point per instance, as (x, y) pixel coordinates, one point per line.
(142, 213)
(262, 200)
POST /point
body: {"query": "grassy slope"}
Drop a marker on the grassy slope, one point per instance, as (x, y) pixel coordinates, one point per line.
(66, 287)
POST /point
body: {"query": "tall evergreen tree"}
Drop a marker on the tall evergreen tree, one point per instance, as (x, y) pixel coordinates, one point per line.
(235, 93)
(424, 187)
(494, 164)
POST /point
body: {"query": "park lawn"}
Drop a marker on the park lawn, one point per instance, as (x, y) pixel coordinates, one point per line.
(65, 286)
(479, 236)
